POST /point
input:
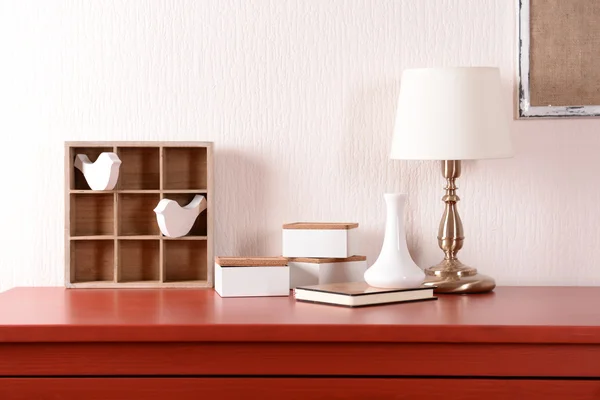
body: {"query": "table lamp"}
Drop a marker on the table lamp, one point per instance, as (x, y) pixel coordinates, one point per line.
(452, 114)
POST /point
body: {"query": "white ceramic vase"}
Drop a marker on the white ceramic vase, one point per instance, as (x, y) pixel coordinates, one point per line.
(394, 267)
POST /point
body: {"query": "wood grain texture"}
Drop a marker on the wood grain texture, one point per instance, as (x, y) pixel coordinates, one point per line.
(172, 344)
(125, 216)
(139, 260)
(92, 260)
(210, 215)
(251, 261)
(92, 215)
(186, 260)
(150, 284)
(300, 98)
(185, 168)
(139, 143)
(136, 215)
(126, 356)
(140, 168)
(293, 388)
(508, 315)
(327, 260)
(116, 248)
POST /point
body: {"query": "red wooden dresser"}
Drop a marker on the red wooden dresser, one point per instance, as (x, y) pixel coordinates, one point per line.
(516, 343)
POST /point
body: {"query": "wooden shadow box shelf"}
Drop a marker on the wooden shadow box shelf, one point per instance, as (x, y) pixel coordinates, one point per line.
(112, 237)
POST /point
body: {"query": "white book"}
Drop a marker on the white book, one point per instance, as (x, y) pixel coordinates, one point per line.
(359, 294)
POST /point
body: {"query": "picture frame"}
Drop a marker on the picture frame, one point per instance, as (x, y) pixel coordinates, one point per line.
(551, 84)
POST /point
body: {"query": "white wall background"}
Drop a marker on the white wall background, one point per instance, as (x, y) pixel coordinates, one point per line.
(299, 97)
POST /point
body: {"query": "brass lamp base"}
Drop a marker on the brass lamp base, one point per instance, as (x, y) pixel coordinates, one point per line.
(452, 276)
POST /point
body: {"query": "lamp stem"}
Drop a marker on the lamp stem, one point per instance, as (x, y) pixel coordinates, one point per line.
(451, 275)
(450, 234)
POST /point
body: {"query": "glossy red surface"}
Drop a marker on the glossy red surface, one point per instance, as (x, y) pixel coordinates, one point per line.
(184, 344)
(508, 315)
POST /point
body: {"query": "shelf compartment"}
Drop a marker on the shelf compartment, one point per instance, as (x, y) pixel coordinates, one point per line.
(92, 214)
(92, 261)
(77, 180)
(140, 168)
(185, 168)
(185, 260)
(200, 227)
(136, 215)
(138, 260)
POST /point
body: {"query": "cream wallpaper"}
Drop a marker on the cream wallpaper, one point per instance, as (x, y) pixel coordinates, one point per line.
(299, 97)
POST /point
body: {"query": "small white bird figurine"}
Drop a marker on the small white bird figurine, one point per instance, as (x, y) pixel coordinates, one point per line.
(101, 174)
(176, 221)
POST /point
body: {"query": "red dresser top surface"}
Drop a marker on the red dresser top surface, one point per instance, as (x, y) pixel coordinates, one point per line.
(508, 315)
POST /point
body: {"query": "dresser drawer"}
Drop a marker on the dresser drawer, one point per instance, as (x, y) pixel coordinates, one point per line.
(259, 359)
(294, 388)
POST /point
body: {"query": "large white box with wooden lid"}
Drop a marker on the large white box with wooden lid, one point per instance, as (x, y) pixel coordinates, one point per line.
(252, 276)
(320, 271)
(320, 240)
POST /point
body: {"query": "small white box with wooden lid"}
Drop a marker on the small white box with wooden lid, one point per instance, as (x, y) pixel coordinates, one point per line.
(320, 271)
(320, 240)
(252, 276)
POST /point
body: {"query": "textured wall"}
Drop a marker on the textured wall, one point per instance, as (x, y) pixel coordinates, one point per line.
(299, 96)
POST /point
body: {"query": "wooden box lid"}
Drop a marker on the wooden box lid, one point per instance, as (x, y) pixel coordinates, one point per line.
(251, 261)
(327, 260)
(321, 225)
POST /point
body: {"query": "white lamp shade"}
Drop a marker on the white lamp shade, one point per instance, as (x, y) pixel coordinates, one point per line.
(451, 114)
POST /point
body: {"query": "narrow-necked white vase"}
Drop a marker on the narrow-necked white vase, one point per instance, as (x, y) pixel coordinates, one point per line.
(394, 267)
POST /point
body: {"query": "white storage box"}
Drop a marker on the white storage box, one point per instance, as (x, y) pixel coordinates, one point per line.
(319, 271)
(320, 239)
(252, 276)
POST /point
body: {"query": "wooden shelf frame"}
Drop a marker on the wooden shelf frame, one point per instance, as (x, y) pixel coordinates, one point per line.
(112, 239)
(80, 191)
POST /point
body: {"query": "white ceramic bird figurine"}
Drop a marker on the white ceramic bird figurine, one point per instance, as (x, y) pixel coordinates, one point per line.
(101, 174)
(176, 221)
